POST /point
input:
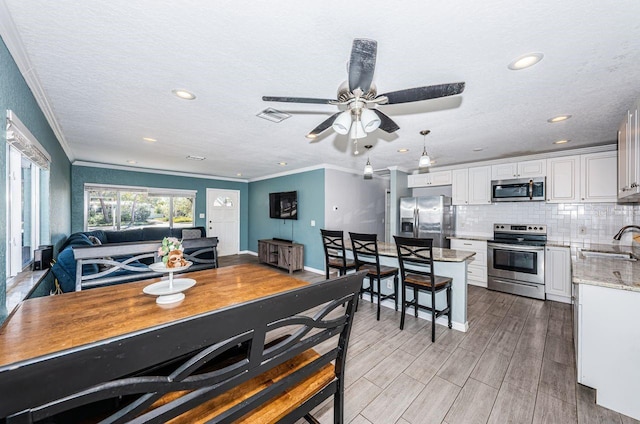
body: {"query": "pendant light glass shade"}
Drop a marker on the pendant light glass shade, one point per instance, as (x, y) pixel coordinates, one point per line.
(370, 120)
(342, 123)
(368, 170)
(425, 160)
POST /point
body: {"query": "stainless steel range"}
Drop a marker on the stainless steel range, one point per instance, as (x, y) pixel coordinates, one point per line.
(515, 259)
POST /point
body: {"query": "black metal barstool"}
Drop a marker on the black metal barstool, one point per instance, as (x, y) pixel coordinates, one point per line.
(334, 252)
(416, 270)
(365, 253)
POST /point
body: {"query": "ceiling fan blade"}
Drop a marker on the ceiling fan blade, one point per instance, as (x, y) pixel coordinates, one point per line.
(323, 126)
(298, 100)
(362, 64)
(424, 93)
(386, 123)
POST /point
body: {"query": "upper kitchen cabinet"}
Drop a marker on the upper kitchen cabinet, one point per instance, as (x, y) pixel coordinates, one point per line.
(429, 179)
(460, 186)
(629, 157)
(471, 186)
(599, 177)
(526, 169)
(563, 179)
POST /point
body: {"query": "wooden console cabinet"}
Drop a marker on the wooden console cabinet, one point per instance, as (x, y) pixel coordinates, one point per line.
(282, 254)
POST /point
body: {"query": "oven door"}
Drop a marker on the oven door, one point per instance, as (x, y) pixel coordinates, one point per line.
(516, 262)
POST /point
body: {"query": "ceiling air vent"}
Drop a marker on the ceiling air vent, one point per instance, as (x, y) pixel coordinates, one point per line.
(273, 115)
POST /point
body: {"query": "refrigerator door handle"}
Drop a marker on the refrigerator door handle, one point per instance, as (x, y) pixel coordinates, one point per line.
(416, 220)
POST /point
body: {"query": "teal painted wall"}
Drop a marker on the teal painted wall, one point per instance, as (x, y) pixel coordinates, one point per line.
(86, 174)
(16, 95)
(310, 188)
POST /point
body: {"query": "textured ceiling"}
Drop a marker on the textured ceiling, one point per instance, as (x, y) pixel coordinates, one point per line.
(107, 69)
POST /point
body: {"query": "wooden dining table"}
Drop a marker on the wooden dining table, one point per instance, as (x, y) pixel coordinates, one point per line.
(56, 325)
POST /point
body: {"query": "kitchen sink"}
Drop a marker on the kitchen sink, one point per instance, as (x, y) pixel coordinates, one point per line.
(624, 256)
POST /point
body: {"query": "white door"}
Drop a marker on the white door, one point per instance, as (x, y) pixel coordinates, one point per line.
(223, 219)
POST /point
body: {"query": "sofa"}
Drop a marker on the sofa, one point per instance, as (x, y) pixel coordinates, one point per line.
(129, 254)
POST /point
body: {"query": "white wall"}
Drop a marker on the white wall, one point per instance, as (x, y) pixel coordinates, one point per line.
(577, 223)
(353, 203)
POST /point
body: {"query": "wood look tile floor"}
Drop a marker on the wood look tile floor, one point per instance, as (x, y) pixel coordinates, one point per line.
(516, 364)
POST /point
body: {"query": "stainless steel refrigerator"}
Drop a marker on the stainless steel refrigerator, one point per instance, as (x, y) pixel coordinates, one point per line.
(428, 217)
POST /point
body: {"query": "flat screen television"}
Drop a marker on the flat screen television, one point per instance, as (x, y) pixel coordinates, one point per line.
(283, 205)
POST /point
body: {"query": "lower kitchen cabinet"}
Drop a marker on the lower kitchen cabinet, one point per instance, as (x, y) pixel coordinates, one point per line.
(477, 265)
(607, 345)
(557, 273)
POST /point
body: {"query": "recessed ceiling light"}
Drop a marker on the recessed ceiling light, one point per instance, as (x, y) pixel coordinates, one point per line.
(478, 149)
(524, 61)
(558, 118)
(149, 139)
(192, 157)
(184, 94)
(239, 174)
(282, 163)
(403, 150)
(132, 162)
(561, 141)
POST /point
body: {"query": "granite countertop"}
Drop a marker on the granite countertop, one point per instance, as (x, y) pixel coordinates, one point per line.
(603, 271)
(439, 254)
(475, 238)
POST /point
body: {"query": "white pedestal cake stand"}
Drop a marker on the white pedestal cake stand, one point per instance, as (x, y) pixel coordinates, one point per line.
(169, 291)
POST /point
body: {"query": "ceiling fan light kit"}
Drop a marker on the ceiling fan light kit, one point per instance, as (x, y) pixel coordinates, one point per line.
(359, 96)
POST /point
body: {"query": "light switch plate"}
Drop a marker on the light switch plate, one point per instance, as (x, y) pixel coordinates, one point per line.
(202, 216)
(313, 223)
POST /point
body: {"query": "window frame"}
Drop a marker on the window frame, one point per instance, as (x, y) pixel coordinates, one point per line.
(150, 191)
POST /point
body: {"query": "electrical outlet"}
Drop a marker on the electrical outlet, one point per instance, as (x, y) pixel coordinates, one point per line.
(389, 286)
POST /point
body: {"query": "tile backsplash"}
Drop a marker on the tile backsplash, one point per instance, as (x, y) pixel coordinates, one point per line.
(574, 222)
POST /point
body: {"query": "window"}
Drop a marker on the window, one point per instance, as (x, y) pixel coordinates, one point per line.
(27, 195)
(122, 207)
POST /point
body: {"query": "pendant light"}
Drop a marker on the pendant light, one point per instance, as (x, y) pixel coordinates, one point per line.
(368, 169)
(425, 160)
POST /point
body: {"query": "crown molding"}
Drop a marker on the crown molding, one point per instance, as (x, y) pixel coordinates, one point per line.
(16, 48)
(155, 171)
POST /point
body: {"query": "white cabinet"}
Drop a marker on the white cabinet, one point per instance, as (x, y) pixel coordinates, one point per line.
(526, 169)
(480, 185)
(438, 178)
(557, 273)
(629, 157)
(563, 184)
(471, 186)
(460, 186)
(607, 346)
(477, 265)
(599, 177)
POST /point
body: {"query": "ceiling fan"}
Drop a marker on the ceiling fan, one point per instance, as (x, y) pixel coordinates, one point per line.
(360, 98)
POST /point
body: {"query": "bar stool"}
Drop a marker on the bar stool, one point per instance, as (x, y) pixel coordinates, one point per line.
(334, 252)
(416, 269)
(365, 252)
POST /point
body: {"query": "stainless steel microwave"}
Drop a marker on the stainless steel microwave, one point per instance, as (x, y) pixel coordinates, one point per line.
(518, 190)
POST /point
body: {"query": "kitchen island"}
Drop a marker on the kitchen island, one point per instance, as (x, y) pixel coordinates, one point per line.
(448, 263)
(606, 330)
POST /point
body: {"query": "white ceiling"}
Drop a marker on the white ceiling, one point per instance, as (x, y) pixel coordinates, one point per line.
(106, 71)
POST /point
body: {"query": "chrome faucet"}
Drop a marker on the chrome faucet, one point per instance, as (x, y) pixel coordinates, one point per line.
(623, 229)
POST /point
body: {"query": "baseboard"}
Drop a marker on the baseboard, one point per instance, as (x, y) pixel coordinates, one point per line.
(314, 270)
(555, 298)
(476, 283)
(459, 326)
(248, 252)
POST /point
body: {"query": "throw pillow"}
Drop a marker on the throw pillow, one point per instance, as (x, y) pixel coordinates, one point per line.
(191, 234)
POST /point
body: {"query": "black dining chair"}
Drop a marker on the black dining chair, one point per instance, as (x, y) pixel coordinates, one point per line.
(415, 257)
(334, 252)
(365, 253)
